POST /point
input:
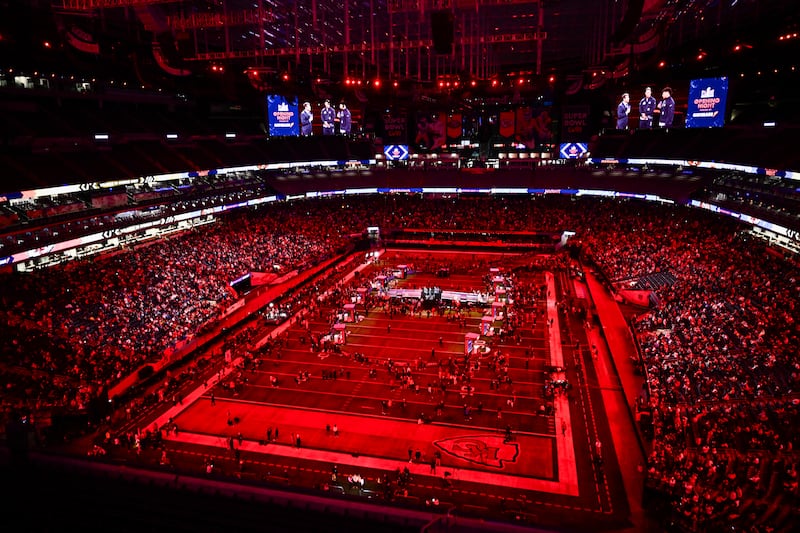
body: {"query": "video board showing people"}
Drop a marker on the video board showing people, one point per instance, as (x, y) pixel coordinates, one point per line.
(651, 109)
(287, 118)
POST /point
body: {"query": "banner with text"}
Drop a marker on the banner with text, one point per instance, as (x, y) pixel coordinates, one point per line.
(282, 116)
(575, 123)
(394, 126)
(707, 98)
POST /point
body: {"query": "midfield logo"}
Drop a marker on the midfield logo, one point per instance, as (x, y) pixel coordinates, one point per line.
(486, 450)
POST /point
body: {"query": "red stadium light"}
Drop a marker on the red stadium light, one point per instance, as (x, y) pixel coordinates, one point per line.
(520, 81)
(285, 77)
(441, 84)
(662, 64)
(494, 83)
(473, 83)
(552, 79)
(47, 44)
(377, 83)
(396, 84)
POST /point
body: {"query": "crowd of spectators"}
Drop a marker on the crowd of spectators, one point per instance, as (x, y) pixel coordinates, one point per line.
(720, 354)
(719, 351)
(80, 328)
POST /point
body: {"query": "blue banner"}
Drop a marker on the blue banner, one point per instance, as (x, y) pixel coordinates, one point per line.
(395, 152)
(282, 114)
(573, 150)
(707, 103)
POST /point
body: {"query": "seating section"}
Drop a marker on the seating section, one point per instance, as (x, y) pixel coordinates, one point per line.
(654, 281)
(761, 147)
(771, 198)
(719, 358)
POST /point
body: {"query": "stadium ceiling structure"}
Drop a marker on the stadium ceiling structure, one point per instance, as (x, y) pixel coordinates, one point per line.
(417, 40)
(410, 39)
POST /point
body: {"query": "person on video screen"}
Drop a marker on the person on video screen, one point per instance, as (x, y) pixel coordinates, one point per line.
(345, 119)
(667, 108)
(647, 106)
(623, 110)
(328, 117)
(306, 118)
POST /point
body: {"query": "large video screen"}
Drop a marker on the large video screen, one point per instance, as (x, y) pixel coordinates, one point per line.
(282, 115)
(707, 103)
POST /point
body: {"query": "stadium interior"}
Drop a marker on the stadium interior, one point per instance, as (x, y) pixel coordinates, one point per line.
(490, 293)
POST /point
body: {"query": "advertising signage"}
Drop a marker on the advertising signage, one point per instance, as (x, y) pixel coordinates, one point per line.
(707, 103)
(282, 115)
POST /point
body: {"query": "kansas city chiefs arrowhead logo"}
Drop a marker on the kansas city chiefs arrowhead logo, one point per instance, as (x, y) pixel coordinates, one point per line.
(486, 450)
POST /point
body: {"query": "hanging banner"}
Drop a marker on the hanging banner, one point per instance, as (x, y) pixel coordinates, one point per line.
(534, 126)
(507, 124)
(575, 123)
(454, 129)
(394, 126)
(431, 130)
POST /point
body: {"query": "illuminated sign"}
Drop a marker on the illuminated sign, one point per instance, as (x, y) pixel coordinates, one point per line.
(707, 98)
(573, 150)
(282, 115)
(395, 152)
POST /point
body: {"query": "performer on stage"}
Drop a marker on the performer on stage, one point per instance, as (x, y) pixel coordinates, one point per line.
(623, 110)
(647, 106)
(345, 119)
(667, 107)
(328, 117)
(306, 117)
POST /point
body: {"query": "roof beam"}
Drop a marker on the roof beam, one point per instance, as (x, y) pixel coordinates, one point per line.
(197, 21)
(365, 47)
(91, 5)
